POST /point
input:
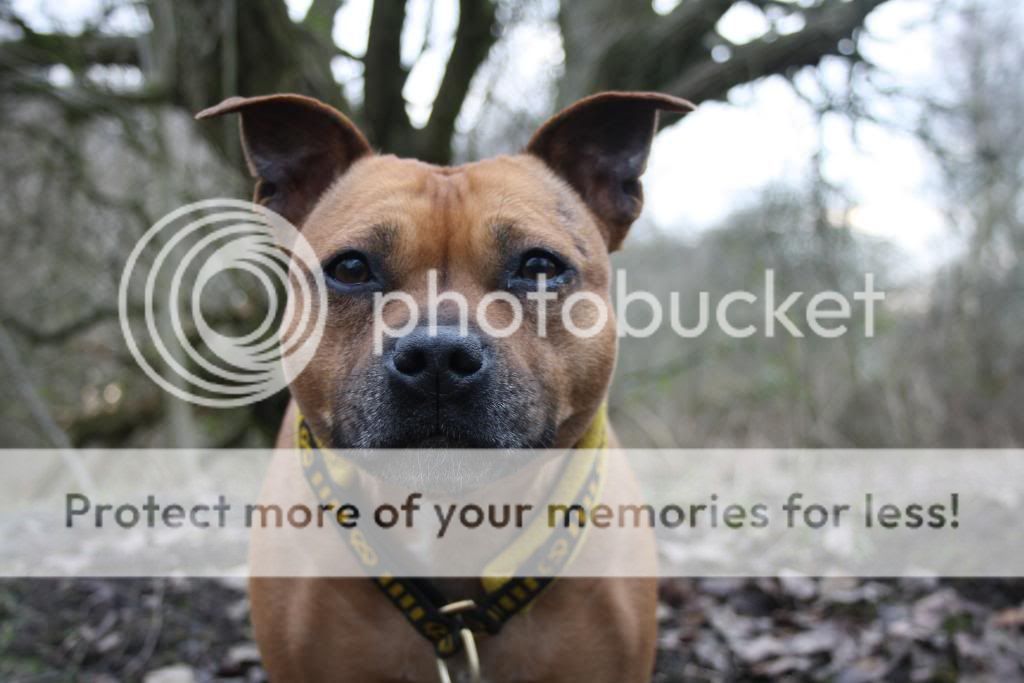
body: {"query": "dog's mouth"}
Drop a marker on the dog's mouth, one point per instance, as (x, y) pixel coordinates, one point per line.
(408, 435)
(490, 425)
(509, 411)
(436, 461)
(439, 439)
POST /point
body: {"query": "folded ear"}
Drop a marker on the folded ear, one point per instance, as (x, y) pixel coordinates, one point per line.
(294, 146)
(600, 146)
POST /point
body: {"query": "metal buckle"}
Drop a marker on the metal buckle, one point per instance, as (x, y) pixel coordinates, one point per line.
(468, 642)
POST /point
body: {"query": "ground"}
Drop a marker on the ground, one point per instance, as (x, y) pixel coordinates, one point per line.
(794, 629)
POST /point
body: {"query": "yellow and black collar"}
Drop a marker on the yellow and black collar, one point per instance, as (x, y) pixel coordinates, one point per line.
(512, 580)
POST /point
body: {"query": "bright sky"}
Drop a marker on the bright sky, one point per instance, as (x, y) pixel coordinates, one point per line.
(724, 154)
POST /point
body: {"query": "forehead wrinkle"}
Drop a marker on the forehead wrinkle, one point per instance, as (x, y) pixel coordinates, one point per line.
(567, 209)
(543, 202)
(379, 237)
(510, 233)
(342, 218)
(568, 217)
(512, 218)
(446, 189)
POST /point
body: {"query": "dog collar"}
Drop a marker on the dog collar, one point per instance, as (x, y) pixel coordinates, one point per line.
(511, 581)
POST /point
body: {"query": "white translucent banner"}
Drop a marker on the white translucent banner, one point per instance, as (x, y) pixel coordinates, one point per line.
(475, 513)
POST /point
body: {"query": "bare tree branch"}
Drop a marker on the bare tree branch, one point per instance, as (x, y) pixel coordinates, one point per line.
(319, 19)
(826, 26)
(654, 49)
(473, 40)
(384, 106)
(678, 40)
(77, 51)
(592, 28)
(41, 413)
(63, 332)
(642, 51)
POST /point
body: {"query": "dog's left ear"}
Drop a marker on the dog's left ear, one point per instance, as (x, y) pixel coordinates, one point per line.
(295, 147)
(600, 146)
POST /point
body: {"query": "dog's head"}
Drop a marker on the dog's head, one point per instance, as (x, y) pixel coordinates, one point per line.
(518, 373)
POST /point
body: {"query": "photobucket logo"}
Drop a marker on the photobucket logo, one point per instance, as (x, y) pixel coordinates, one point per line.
(825, 314)
(179, 259)
(737, 314)
(174, 308)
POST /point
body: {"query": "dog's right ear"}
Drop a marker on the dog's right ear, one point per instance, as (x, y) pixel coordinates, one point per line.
(295, 147)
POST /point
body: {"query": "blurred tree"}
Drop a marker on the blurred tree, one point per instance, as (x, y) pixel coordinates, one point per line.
(972, 127)
(197, 52)
(99, 145)
(945, 368)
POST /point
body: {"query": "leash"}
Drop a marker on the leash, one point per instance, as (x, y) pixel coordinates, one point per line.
(511, 581)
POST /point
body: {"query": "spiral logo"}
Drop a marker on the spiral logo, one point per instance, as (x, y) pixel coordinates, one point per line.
(208, 280)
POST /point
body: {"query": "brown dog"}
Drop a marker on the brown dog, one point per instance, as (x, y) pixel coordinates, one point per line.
(379, 223)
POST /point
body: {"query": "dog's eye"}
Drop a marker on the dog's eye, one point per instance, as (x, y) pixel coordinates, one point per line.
(350, 268)
(537, 263)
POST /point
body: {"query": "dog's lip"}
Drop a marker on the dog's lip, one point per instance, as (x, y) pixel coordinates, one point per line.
(434, 439)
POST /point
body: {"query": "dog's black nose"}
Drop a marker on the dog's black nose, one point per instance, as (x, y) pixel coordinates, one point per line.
(444, 363)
